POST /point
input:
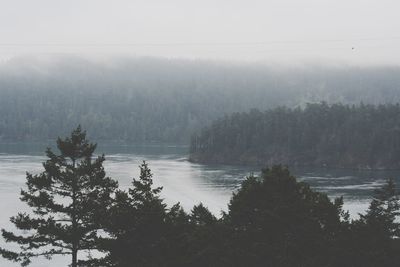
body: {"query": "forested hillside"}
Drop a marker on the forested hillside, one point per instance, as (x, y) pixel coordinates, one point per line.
(319, 135)
(145, 100)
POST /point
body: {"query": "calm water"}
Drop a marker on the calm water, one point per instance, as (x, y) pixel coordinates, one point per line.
(182, 181)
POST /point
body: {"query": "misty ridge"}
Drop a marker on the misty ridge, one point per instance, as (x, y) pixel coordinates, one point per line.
(166, 100)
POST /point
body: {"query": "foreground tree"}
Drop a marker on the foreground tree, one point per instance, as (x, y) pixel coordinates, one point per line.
(137, 226)
(375, 236)
(67, 199)
(277, 221)
(382, 212)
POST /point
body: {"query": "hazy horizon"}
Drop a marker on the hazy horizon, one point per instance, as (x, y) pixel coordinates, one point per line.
(352, 32)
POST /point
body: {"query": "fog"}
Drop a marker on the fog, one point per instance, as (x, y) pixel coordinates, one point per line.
(356, 32)
(134, 99)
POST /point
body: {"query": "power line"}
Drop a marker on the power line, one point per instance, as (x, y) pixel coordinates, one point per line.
(195, 43)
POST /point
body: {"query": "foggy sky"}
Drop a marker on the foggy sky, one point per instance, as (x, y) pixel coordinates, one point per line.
(335, 31)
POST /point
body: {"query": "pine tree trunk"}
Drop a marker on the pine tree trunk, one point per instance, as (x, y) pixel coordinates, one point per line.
(74, 256)
(74, 223)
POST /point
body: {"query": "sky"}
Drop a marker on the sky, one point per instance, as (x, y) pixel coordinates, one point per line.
(334, 31)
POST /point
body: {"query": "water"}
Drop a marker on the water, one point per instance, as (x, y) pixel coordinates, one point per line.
(182, 181)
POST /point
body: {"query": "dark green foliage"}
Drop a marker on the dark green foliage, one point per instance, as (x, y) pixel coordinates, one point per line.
(272, 220)
(205, 238)
(280, 222)
(376, 234)
(142, 232)
(382, 212)
(201, 216)
(320, 135)
(67, 199)
(137, 225)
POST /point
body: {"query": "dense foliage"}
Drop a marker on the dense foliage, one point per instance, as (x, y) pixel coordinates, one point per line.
(272, 220)
(143, 100)
(322, 135)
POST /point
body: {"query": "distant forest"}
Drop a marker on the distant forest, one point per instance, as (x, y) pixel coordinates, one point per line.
(319, 135)
(160, 100)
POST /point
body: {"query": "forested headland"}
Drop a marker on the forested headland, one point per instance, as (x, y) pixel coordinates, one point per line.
(318, 135)
(160, 100)
(272, 220)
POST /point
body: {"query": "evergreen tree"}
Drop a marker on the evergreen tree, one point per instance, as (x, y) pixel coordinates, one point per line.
(382, 212)
(206, 238)
(375, 236)
(277, 221)
(201, 216)
(137, 225)
(67, 199)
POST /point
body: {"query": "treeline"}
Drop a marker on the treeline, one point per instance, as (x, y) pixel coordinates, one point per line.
(155, 100)
(319, 135)
(272, 220)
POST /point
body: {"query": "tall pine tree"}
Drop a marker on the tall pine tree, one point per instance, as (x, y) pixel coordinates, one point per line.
(137, 225)
(375, 236)
(67, 199)
(382, 212)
